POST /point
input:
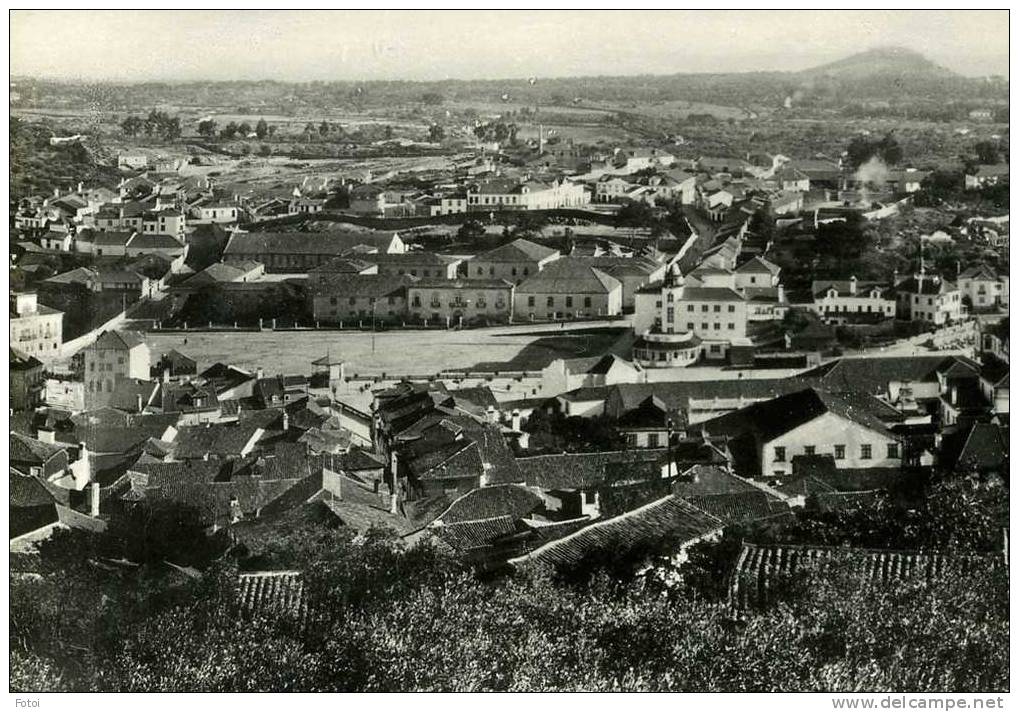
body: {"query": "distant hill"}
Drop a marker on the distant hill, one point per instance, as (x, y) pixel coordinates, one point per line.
(881, 62)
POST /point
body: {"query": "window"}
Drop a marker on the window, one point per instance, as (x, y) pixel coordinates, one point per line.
(840, 452)
(865, 452)
(480, 271)
(779, 454)
(550, 302)
(670, 314)
(718, 308)
(670, 297)
(689, 326)
(652, 440)
(732, 308)
(513, 271)
(530, 301)
(810, 450)
(704, 326)
(589, 497)
(689, 307)
(587, 302)
(704, 307)
(893, 451)
(569, 301)
(332, 301)
(732, 326)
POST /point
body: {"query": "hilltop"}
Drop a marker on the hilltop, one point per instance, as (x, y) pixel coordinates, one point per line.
(882, 61)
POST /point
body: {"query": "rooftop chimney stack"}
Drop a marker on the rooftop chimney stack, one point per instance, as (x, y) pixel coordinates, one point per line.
(138, 402)
(94, 499)
(852, 285)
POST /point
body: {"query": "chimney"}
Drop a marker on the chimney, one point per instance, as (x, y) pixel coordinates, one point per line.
(81, 186)
(138, 402)
(166, 375)
(94, 490)
(491, 414)
(852, 285)
(259, 373)
(286, 421)
(781, 293)
(516, 420)
(46, 435)
(56, 192)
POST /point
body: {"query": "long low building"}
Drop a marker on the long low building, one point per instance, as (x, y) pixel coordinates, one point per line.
(437, 300)
(303, 251)
(568, 289)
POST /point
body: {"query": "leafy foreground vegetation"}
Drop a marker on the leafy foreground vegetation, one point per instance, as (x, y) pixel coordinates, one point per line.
(386, 618)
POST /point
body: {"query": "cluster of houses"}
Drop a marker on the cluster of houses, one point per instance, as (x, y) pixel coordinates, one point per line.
(457, 463)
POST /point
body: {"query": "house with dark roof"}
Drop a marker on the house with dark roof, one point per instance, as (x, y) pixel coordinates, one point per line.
(454, 301)
(360, 297)
(976, 448)
(983, 288)
(229, 382)
(571, 483)
(567, 374)
(26, 378)
(568, 288)
(416, 263)
(512, 262)
(986, 175)
(853, 428)
(849, 301)
(29, 456)
(669, 516)
(301, 251)
(114, 355)
(926, 297)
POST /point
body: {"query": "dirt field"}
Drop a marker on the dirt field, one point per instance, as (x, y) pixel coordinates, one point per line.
(395, 352)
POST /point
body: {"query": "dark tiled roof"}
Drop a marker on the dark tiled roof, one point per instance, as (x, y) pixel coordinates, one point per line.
(487, 502)
(589, 470)
(312, 243)
(26, 449)
(474, 534)
(568, 276)
(759, 569)
(667, 516)
(216, 440)
(272, 593)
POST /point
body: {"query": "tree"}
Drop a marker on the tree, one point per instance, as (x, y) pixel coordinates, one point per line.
(987, 152)
(229, 131)
(323, 128)
(132, 125)
(244, 129)
(432, 98)
(207, 128)
(261, 129)
(470, 231)
(436, 133)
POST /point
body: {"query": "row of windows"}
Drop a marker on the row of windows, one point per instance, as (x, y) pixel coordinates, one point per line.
(491, 271)
(550, 301)
(836, 308)
(460, 304)
(353, 300)
(866, 451)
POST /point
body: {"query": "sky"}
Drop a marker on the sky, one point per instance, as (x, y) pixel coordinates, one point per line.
(303, 46)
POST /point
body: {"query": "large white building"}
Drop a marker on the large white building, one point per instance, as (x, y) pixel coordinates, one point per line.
(669, 314)
(510, 194)
(36, 329)
(983, 288)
